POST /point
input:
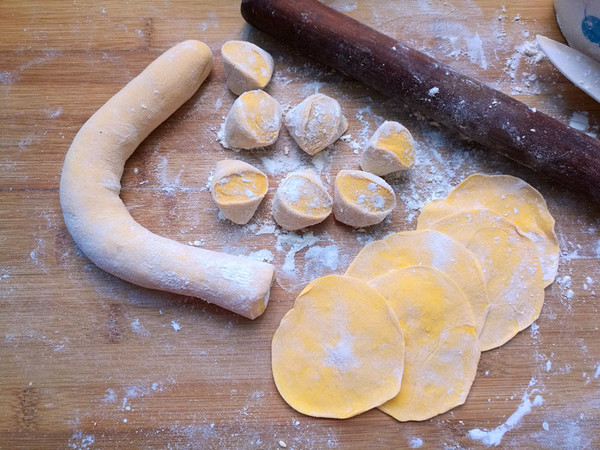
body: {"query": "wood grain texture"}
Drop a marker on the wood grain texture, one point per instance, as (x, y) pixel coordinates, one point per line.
(91, 361)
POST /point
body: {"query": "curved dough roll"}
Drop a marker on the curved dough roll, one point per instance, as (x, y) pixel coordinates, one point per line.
(101, 224)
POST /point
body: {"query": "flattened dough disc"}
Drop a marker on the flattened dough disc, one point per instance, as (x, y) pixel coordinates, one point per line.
(339, 351)
(511, 269)
(426, 248)
(508, 197)
(441, 341)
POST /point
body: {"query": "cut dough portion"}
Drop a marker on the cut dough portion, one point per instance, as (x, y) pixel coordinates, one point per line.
(390, 149)
(316, 123)
(511, 269)
(101, 224)
(238, 188)
(247, 66)
(301, 201)
(361, 199)
(426, 248)
(339, 351)
(253, 121)
(441, 341)
(511, 198)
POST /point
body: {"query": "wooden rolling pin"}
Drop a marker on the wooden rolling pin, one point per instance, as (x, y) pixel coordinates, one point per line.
(475, 110)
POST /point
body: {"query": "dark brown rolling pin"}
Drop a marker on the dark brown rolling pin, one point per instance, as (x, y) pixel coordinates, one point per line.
(475, 110)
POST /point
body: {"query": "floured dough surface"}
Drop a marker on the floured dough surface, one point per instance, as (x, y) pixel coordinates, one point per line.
(514, 200)
(316, 123)
(511, 269)
(391, 148)
(362, 199)
(247, 66)
(237, 189)
(441, 341)
(339, 351)
(426, 248)
(301, 200)
(253, 121)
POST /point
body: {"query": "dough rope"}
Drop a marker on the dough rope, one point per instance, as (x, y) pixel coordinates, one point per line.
(99, 221)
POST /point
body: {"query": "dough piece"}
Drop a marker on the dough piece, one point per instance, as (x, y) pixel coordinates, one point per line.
(247, 66)
(316, 123)
(441, 341)
(390, 149)
(339, 351)
(101, 224)
(361, 199)
(301, 200)
(511, 198)
(511, 269)
(238, 188)
(253, 121)
(426, 248)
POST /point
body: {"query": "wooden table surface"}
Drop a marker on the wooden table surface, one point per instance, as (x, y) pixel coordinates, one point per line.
(90, 361)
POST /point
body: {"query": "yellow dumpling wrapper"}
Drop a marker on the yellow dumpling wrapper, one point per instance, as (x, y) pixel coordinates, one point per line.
(511, 198)
(339, 351)
(391, 148)
(511, 269)
(426, 248)
(441, 341)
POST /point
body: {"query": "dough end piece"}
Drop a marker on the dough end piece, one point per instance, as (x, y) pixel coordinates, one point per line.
(247, 66)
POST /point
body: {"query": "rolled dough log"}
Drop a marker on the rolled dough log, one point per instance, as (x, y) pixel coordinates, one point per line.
(99, 221)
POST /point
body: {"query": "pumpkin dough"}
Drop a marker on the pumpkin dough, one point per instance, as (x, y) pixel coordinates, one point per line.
(441, 341)
(316, 123)
(247, 66)
(390, 149)
(238, 188)
(361, 199)
(426, 248)
(301, 200)
(511, 198)
(101, 224)
(253, 121)
(339, 351)
(511, 269)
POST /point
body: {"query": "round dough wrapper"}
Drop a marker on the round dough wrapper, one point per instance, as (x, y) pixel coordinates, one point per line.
(301, 200)
(511, 198)
(237, 189)
(511, 269)
(247, 66)
(391, 148)
(426, 248)
(339, 351)
(441, 341)
(362, 199)
(253, 121)
(316, 123)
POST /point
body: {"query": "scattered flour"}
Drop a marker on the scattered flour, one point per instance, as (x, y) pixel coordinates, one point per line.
(79, 440)
(138, 328)
(262, 255)
(494, 437)
(415, 442)
(175, 325)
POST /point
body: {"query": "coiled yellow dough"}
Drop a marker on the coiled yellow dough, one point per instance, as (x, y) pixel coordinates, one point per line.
(99, 221)
(237, 189)
(361, 199)
(339, 351)
(247, 66)
(301, 200)
(511, 269)
(426, 248)
(511, 198)
(391, 148)
(441, 341)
